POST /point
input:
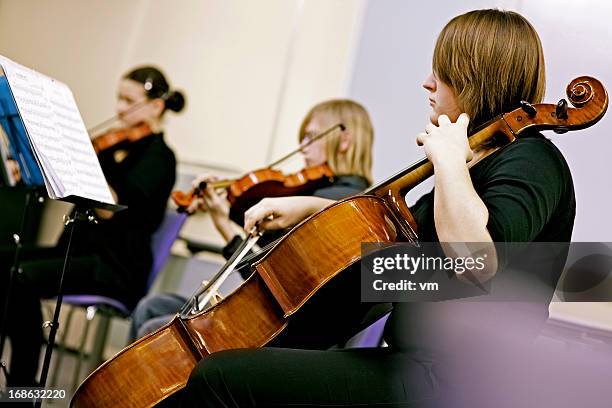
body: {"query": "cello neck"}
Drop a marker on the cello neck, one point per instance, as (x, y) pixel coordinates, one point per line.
(587, 94)
(421, 170)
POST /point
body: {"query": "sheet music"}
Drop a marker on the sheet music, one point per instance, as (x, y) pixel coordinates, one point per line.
(59, 138)
(77, 144)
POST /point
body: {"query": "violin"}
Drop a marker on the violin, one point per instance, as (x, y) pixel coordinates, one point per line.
(320, 253)
(246, 191)
(118, 137)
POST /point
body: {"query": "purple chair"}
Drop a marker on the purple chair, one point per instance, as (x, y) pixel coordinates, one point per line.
(371, 336)
(106, 308)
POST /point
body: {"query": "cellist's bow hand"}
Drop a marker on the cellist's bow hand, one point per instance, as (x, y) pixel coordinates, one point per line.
(282, 212)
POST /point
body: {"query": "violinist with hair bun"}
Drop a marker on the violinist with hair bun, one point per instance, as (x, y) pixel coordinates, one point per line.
(113, 257)
(143, 97)
(347, 152)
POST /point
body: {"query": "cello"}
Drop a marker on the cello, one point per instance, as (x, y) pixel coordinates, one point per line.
(291, 274)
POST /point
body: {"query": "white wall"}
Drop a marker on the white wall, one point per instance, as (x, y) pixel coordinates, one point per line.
(250, 69)
(228, 55)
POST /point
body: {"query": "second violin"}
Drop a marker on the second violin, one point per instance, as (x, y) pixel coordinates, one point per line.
(246, 191)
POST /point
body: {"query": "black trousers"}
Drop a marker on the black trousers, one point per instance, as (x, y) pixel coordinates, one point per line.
(38, 277)
(276, 377)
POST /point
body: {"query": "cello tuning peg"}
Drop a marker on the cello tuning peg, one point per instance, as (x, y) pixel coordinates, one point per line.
(529, 109)
(561, 110)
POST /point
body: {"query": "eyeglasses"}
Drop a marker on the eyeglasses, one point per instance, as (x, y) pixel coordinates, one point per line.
(307, 138)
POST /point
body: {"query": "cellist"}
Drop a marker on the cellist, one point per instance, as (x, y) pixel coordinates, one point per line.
(484, 63)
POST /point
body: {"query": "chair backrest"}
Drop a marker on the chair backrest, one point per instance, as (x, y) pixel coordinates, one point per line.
(162, 241)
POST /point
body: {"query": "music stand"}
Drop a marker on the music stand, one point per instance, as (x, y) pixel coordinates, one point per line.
(58, 143)
(83, 212)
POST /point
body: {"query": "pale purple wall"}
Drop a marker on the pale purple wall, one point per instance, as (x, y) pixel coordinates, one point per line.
(394, 55)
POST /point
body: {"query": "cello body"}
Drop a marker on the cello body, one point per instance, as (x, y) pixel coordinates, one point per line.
(156, 366)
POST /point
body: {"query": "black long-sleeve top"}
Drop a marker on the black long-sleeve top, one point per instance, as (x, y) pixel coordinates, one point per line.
(528, 190)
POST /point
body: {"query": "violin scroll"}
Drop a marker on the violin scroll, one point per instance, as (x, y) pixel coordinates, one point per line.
(184, 199)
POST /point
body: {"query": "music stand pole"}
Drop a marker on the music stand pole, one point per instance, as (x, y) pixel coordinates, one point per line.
(80, 214)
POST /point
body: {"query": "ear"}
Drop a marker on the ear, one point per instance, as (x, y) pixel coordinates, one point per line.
(346, 140)
(158, 106)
